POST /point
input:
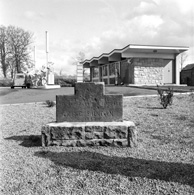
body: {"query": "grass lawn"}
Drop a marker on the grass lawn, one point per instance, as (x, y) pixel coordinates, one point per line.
(163, 163)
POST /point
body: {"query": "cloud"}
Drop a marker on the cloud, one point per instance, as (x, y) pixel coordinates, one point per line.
(146, 8)
(129, 31)
(185, 6)
(158, 22)
(148, 22)
(33, 15)
(40, 16)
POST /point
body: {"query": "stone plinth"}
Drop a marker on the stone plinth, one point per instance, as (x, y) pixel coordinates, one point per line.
(90, 134)
(89, 104)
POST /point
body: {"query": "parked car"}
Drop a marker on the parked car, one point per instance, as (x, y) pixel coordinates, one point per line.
(19, 81)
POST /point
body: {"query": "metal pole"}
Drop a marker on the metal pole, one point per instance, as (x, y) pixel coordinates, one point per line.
(47, 51)
(34, 57)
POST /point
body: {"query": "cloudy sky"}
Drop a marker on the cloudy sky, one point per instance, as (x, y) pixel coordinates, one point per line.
(99, 26)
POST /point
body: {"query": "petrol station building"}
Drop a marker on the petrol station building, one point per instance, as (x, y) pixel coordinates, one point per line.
(138, 65)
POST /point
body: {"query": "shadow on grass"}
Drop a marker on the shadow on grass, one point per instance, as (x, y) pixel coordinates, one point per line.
(124, 93)
(27, 141)
(130, 167)
(151, 108)
(155, 108)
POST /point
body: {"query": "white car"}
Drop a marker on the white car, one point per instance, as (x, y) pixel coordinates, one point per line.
(19, 81)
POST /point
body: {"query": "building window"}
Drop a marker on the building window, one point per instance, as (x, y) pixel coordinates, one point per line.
(105, 70)
(105, 81)
(110, 72)
(95, 72)
(117, 66)
(112, 69)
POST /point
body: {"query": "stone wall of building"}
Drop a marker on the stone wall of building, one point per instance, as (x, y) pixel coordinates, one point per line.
(149, 70)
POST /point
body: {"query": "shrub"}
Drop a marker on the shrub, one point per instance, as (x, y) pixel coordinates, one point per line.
(6, 82)
(64, 82)
(165, 96)
(50, 103)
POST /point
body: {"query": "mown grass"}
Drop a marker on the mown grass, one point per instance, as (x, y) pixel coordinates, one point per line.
(163, 162)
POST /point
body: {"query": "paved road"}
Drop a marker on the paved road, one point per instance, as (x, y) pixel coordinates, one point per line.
(19, 95)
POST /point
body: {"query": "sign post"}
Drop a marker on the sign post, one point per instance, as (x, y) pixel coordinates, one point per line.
(79, 72)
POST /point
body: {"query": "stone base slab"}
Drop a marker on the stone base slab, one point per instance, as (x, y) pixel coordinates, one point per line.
(90, 134)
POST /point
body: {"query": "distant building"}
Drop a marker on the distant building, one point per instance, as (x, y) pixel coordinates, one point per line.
(137, 64)
(187, 75)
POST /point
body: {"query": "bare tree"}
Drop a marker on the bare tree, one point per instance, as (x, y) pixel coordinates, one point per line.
(4, 52)
(11, 65)
(183, 58)
(19, 46)
(79, 58)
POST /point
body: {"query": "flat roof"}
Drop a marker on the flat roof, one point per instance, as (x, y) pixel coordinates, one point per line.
(140, 49)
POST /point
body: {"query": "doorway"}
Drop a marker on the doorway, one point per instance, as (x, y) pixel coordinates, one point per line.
(168, 74)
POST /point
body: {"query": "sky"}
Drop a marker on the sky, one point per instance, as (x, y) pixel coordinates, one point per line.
(99, 26)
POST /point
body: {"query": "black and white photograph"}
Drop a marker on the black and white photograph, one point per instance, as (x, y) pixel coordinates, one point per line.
(96, 97)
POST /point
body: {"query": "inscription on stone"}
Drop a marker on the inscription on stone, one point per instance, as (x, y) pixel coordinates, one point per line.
(89, 104)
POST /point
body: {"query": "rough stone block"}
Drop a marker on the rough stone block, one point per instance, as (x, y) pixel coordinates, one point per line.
(98, 135)
(120, 142)
(77, 132)
(67, 132)
(92, 128)
(69, 143)
(94, 132)
(115, 132)
(94, 135)
(89, 135)
(80, 143)
(132, 137)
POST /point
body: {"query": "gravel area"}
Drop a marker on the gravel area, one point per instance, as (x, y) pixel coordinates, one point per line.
(163, 162)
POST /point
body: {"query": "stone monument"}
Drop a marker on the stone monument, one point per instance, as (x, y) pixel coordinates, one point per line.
(89, 104)
(89, 117)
